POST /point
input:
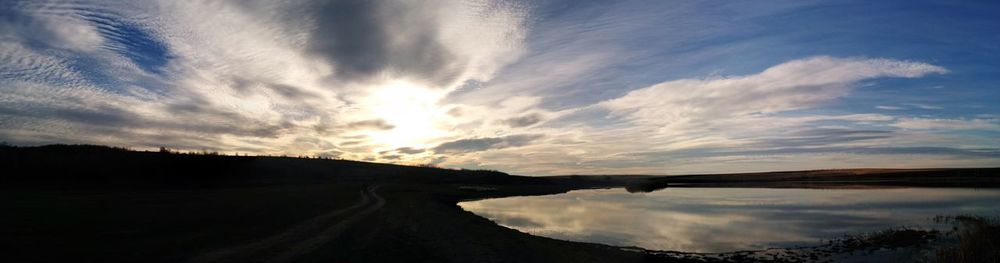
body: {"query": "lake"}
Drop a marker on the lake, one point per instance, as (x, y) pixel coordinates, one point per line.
(730, 219)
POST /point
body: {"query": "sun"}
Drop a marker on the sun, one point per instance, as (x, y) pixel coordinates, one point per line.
(413, 111)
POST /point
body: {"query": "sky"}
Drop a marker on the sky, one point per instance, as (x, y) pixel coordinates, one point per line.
(544, 87)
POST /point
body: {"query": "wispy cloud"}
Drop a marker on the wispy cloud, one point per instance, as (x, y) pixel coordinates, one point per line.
(236, 75)
(523, 121)
(925, 106)
(482, 144)
(539, 88)
(884, 107)
(371, 124)
(692, 103)
(947, 124)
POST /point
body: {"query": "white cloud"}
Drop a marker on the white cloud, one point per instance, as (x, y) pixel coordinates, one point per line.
(792, 85)
(884, 107)
(71, 33)
(925, 106)
(246, 76)
(240, 76)
(739, 112)
(946, 124)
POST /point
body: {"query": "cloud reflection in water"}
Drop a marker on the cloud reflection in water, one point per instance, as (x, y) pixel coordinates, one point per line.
(728, 219)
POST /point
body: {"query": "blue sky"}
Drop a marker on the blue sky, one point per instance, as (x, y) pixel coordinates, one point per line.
(530, 87)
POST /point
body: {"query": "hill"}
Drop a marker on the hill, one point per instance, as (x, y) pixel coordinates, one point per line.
(94, 203)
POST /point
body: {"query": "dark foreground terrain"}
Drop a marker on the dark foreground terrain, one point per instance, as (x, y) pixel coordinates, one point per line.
(99, 204)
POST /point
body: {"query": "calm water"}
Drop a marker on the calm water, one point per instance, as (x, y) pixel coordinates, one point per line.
(728, 219)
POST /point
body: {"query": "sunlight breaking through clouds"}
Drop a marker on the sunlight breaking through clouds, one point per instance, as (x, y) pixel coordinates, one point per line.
(532, 88)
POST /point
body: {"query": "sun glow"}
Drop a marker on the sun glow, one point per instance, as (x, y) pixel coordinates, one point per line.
(411, 110)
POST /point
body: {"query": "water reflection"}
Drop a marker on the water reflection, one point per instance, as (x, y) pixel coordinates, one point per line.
(728, 219)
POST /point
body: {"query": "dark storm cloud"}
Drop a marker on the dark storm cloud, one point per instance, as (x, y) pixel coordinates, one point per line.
(371, 124)
(482, 144)
(365, 38)
(523, 121)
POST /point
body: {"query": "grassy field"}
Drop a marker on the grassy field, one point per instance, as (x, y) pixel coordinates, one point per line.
(978, 241)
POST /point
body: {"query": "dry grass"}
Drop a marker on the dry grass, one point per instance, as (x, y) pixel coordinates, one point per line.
(889, 238)
(978, 241)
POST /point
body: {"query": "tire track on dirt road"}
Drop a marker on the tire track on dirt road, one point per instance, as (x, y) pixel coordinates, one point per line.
(309, 245)
(301, 238)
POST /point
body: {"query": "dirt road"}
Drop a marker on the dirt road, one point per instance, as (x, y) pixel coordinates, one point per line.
(302, 238)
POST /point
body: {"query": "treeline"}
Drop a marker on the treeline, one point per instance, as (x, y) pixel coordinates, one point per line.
(217, 153)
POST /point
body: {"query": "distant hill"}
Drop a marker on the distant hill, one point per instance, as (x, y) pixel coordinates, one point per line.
(92, 164)
(103, 165)
(836, 178)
